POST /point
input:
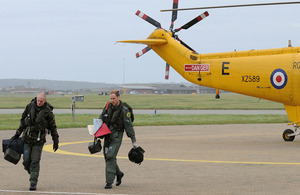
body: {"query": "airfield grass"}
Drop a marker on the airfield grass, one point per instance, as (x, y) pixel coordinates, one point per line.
(178, 102)
(166, 101)
(11, 121)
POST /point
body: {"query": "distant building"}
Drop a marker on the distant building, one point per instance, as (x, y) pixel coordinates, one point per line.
(51, 88)
(165, 89)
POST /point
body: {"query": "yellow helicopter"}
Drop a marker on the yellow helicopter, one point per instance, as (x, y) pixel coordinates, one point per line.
(271, 74)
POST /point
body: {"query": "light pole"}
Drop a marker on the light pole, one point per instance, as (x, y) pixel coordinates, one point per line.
(124, 87)
(123, 71)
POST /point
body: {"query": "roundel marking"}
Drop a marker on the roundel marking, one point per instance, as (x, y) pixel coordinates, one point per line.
(279, 78)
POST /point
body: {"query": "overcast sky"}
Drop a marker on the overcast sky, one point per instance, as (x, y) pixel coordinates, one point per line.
(75, 40)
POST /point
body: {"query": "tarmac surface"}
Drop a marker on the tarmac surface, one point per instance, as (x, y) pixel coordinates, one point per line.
(199, 159)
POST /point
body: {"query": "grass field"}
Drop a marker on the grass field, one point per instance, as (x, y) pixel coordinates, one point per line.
(11, 121)
(227, 101)
(181, 102)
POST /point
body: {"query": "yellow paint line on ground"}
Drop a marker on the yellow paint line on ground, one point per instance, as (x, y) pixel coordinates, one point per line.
(49, 148)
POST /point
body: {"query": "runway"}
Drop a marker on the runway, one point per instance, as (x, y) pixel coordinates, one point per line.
(198, 159)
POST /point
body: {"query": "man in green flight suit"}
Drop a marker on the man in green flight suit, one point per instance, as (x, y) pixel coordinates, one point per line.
(37, 118)
(117, 116)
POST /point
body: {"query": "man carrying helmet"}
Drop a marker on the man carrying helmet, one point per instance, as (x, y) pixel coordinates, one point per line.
(117, 116)
(37, 120)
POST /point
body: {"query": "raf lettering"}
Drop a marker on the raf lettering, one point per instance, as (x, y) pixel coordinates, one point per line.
(296, 65)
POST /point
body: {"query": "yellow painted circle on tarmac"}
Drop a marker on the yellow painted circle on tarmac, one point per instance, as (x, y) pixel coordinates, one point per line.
(49, 148)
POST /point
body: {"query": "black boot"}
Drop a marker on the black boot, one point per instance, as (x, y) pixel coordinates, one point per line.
(119, 178)
(32, 187)
(108, 186)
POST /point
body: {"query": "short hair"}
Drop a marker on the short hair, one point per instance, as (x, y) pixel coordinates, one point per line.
(116, 92)
(42, 94)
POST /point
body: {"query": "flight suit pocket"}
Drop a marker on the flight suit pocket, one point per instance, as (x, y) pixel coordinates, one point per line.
(114, 135)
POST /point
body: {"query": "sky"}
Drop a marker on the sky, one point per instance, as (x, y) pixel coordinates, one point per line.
(75, 40)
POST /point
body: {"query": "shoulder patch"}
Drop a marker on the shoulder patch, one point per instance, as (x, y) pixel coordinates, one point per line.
(128, 114)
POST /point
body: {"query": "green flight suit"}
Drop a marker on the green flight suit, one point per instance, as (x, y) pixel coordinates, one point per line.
(118, 120)
(35, 121)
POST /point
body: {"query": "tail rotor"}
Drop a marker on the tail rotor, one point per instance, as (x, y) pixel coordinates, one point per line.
(174, 14)
(193, 22)
(173, 19)
(167, 71)
(142, 52)
(148, 19)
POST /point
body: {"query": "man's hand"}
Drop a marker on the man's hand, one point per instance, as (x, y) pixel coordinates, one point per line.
(55, 146)
(135, 145)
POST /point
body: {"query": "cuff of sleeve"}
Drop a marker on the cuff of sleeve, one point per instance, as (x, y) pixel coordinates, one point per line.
(133, 140)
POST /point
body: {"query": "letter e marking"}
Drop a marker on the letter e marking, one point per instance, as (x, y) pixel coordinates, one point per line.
(225, 68)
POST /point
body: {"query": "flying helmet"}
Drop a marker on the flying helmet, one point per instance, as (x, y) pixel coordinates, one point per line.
(136, 155)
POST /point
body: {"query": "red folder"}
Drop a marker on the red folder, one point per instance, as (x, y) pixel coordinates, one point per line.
(103, 130)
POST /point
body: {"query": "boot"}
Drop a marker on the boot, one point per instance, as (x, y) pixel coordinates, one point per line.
(108, 186)
(32, 187)
(119, 178)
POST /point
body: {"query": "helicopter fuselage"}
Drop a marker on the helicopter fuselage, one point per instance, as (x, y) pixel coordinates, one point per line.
(245, 72)
(271, 74)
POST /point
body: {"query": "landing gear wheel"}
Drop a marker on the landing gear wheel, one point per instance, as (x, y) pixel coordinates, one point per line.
(286, 133)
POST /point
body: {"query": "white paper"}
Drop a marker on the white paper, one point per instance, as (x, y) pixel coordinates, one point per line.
(97, 124)
(91, 129)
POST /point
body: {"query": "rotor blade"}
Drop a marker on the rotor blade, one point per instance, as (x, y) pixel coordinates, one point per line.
(148, 19)
(229, 6)
(167, 71)
(174, 14)
(184, 44)
(193, 22)
(145, 50)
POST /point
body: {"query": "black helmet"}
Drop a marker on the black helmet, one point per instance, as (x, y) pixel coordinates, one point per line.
(136, 155)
